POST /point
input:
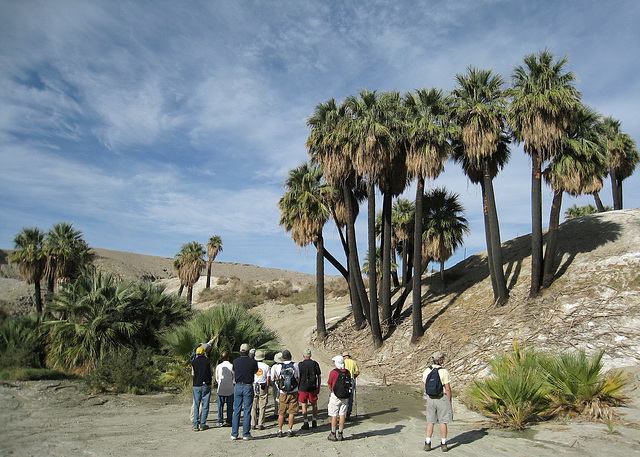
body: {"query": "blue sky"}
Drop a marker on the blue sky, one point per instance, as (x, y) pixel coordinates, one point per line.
(149, 124)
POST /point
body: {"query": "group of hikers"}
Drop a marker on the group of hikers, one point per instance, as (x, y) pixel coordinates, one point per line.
(243, 388)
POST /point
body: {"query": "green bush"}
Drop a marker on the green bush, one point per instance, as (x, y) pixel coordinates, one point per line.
(31, 374)
(131, 371)
(22, 342)
(526, 386)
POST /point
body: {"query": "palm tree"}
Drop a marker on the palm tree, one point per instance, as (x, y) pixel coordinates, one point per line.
(304, 212)
(622, 156)
(189, 262)
(30, 257)
(428, 134)
(445, 226)
(543, 97)
(479, 111)
(67, 254)
(214, 247)
(577, 167)
(328, 145)
(578, 211)
(402, 222)
(374, 125)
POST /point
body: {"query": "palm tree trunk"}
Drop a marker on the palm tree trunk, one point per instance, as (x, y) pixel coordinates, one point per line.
(208, 286)
(617, 204)
(385, 293)
(599, 205)
(337, 265)
(190, 294)
(536, 223)
(180, 290)
(38, 294)
(487, 236)
(416, 303)
(374, 319)
(320, 321)
(496, 248)
(552, 238)
(442, 275)
(354, 265)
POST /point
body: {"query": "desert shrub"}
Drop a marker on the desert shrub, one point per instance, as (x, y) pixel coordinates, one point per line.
(127, 370)
(234, 325)
(579, 386)
(526, 386)
(22, 342)
(248, 294)
(31, 374)
(515, 392)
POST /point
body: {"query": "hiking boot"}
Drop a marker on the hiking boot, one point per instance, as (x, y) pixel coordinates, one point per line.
(279, 434)
(291, 433)
(444, 447)
(305, 426)
(427, 446)
(203, 427)
(314, 424)
(348, 418)
(260, 427)
(195, 428)
(339, 436)
(332, 437)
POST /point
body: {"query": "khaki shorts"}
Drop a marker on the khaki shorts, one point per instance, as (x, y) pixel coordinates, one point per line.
(439, 410)
(288, 402)
(337, 406)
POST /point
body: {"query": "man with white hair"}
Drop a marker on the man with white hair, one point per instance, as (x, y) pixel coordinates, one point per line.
(340, 384)
(436, 383)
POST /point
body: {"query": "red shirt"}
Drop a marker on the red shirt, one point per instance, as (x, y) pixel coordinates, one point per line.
(333, 377)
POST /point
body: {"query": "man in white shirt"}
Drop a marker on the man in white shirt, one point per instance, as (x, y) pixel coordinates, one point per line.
(224, 379)
(262, 380)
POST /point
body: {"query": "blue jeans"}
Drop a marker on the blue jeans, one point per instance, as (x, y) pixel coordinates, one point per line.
(201, 394)
(353, 391)
(222, 401)
(242, 398)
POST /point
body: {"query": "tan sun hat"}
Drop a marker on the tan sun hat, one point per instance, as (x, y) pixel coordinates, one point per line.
(259, 355)
(278, 358)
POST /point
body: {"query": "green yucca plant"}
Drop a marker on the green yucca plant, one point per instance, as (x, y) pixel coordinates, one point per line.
(579, 386)
(22, 342)
(515, 392)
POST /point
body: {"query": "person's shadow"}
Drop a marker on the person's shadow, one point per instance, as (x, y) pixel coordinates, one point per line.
(467, 437)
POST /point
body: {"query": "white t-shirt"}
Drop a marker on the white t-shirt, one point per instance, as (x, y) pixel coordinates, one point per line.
(278, 369)
(262, 374)
(224, 378)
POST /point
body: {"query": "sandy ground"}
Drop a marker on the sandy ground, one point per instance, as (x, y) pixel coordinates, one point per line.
(56, 418)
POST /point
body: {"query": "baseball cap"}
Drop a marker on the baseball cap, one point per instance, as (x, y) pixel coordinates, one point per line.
(244, 347)
(346, 354)
(438, 355)
(200, 350)
(286, 354)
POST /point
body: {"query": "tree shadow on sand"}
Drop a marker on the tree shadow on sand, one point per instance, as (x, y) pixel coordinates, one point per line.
(467, 437)
(376, 432)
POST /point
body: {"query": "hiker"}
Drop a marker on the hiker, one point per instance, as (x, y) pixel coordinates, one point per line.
(308, 389)
(202, 377)
(288, 378)
(352, 366)
(277, 360)
(261, 382)
(207, 348)
(437, 386)
(244, 370)
(340, 384)
(224, 379)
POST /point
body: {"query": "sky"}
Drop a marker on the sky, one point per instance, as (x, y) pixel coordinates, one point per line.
(150, 124)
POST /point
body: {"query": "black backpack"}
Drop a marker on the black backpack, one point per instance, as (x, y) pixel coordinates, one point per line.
(342, 386)
(433, 385)
(311, 378)
(287, 381)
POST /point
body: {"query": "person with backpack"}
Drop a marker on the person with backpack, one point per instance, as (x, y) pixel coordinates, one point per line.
(309, 387)
(287, 377)
(352, 366)
(277, 360)
(340, 384)
(436, 383)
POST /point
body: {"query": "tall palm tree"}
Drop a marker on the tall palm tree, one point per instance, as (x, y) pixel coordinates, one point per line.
(543, 97)
(67, 254)
(480, 112)
(428, 140)
(577, 168)
(214, 247)
(375, 120)
(30, 257)
(304, 212)
(189, 262)
(328, 144)
(622, 156)
(445, 226)
(402, 222)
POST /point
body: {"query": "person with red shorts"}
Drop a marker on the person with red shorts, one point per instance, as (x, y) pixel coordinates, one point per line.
(309, 388)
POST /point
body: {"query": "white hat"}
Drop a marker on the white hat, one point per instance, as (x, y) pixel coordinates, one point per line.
(339, 361)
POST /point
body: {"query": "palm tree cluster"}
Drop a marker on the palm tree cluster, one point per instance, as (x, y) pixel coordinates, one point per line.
(189, 262)
(382, 141)
(57, 255)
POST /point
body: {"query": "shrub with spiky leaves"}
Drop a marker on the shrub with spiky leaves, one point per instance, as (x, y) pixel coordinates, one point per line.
(21, 342)
(128, 370)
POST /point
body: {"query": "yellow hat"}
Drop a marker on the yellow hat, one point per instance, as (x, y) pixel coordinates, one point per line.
(200, 350)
